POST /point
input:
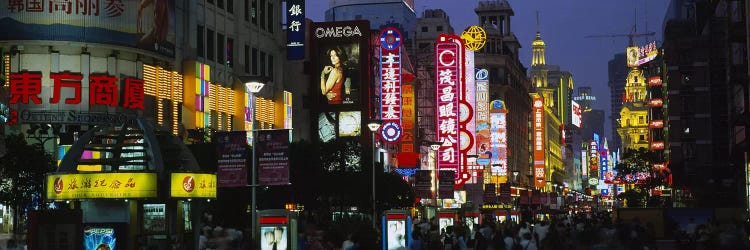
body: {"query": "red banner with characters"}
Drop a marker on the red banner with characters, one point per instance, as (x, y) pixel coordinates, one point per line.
(272, 157)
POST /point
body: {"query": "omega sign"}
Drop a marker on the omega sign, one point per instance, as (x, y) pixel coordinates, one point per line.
(337, 31)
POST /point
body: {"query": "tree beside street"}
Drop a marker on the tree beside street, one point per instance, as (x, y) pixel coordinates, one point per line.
(22, 175)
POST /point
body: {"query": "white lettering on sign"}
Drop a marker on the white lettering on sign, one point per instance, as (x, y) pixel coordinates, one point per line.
(337, 32)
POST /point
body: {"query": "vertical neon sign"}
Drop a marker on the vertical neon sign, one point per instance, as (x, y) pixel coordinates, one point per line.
(448, 74)
(538, 108)
(390, 85)
(467, 120)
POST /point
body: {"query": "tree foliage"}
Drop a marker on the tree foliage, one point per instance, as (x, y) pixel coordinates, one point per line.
(640, 161)
(22, 173)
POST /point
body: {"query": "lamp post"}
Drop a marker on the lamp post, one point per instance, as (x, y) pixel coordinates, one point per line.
(374, 125)
(253, 86)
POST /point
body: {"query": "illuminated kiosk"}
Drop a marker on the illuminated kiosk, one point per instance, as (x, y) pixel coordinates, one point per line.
(396, 229)
(133, 199)
(278, 230)
(446, 219)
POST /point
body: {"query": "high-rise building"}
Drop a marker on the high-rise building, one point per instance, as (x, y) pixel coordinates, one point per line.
(633, 122)
(618, 72)
(380, 13)
(704, 44)
(552, 85)
(432, 23)
(507, 79)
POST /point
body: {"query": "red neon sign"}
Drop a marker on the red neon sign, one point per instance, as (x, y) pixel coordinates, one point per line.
(654, 81)
(655, 103)
(390, 89)
(25, 87)
(448, 69)
(538, 110)
(656, 124)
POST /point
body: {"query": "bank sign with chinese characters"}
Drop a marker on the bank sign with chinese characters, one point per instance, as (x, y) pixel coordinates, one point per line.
(192, 185)
(69, 89)
(295, 31)
(448, 73)
(100, 186)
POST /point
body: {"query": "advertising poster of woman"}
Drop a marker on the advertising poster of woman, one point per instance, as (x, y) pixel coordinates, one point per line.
(339, 75)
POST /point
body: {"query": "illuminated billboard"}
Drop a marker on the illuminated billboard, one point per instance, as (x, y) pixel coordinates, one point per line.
(576, 113)
(498, 138)
(390, 85)
(482, 117)
(448, 74)
(647, 53)
(327, 126)
(192, 185)
(341, 49)
(538, 113)
(632, 56)
(147, 25)
(100, 185)
(584, 164)
(350, 123)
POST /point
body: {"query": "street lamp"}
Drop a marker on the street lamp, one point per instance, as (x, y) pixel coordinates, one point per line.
(373, 125)
(253, 85)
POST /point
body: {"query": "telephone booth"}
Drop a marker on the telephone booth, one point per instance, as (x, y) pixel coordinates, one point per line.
(278, 229)
(445, 219)
(396, 229)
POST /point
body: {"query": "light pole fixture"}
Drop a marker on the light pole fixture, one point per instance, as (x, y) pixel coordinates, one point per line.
(253, 85)
(435, 145)
(374, 125)
(515, 175)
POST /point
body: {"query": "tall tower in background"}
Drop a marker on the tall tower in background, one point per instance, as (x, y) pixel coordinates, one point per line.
(633, 122)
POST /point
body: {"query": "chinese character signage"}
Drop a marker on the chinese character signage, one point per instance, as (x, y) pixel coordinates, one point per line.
(538, 125)
(576, 113)
(584, 164)
(295, 29)
(273, 157)
(100, 185)
(448, 74)
(192, 185)
(231, 154)
(482, 117)
(341, 49)
(409, 117)
(499, 138)
(647, 53)
(467, 121)
(593, 158)
(147, 25)
(390, 85)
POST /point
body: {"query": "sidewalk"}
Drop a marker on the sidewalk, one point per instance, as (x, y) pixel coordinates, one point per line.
(4, 242)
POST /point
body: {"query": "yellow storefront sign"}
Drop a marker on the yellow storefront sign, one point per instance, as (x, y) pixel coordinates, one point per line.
(192, 185)
(497, 206)
(100, 186)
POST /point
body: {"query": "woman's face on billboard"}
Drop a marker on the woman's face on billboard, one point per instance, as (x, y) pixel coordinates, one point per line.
(334, 57)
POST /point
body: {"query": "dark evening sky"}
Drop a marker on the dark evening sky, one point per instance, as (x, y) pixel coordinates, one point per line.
(564, 23)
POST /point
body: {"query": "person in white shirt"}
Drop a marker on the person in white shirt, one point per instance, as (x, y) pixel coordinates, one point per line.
(541, 229)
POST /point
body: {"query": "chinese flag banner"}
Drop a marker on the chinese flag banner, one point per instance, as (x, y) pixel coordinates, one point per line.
(272, 157)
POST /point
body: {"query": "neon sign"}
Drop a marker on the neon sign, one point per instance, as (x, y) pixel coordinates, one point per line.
(538, 109)
(390, 88)
(25, 87)
(448, 75)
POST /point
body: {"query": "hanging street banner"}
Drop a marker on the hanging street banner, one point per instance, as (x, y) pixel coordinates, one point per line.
(273, 157)
(423, 184)
(231, 154)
